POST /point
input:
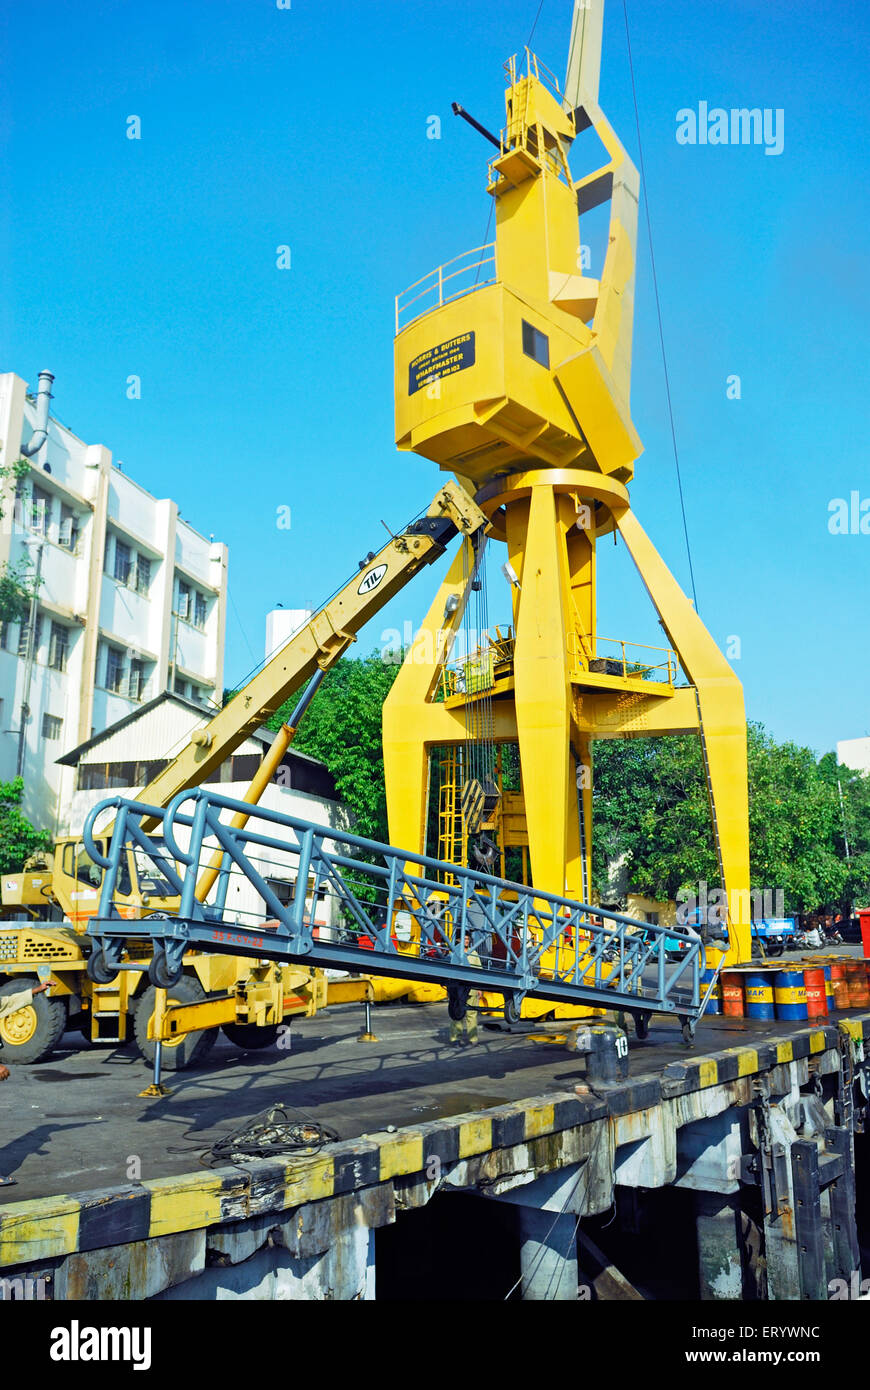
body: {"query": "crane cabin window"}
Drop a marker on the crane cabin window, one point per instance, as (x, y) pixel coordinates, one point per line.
(536, 344)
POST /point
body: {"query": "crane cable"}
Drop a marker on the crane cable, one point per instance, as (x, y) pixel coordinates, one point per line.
(658, 306)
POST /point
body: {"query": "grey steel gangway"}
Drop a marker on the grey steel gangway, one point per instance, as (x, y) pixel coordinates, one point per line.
(399, 914)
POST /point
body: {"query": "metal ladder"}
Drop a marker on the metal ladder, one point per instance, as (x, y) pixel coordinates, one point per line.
(450, 824)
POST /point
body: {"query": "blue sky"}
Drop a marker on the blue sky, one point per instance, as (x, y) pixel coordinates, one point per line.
(263, 388)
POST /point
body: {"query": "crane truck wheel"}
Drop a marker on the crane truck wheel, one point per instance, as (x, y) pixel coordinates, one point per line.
(185, 1050)
(34, 1031)
(249, 1036)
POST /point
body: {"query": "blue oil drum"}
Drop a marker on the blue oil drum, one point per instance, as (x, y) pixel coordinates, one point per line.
(758, 992)
(790, 994)
(714, 1004)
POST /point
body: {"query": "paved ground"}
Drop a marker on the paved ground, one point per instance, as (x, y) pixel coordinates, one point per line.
(75, 1121)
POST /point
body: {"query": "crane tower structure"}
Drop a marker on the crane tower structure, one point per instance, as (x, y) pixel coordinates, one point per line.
(512, 371)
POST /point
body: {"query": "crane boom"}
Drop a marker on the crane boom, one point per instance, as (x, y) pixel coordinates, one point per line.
(321, 641)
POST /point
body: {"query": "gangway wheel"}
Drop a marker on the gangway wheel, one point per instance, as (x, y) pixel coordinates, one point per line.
(97, 970)
(688, 1026)
(511, 1009)
(641, 1025)
(158, 971)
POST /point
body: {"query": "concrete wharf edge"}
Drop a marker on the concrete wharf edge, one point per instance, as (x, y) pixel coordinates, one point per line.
(370, 1172)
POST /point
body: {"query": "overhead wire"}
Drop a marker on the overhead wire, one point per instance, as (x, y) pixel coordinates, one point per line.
(658, 305)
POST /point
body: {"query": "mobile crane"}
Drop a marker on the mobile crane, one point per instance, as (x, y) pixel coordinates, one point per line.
(221, 990)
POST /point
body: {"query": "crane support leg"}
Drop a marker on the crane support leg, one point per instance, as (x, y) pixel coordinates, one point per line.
(406, 754)
(722, 726)
(542, 696)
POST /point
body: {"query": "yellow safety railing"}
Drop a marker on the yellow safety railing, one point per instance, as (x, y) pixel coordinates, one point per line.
(439, 287)
(635, 660)
(477, 672)
(534, 68)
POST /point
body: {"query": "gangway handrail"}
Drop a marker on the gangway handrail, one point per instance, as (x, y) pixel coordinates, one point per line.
(528, 942)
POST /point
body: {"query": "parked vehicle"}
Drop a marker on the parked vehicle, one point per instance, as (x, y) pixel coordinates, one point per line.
(775, 935)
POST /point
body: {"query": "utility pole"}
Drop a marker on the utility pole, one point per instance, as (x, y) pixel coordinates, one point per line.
(29, 659)
(843, 818)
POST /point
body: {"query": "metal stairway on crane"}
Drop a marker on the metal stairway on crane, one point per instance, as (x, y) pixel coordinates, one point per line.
(403, 915)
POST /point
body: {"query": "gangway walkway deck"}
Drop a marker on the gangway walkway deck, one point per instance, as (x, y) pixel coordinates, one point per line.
(398, 915)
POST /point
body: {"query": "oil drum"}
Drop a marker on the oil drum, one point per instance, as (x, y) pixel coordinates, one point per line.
(714, 1003)
(790, 994)
(759, 994)
(732, 993)
(856, 984)
(838, 984)
(816, 995)
(829, 990)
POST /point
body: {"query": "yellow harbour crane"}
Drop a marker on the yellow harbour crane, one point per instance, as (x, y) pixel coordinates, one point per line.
(512, 371)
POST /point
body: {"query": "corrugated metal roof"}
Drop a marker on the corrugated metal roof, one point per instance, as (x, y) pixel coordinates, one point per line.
(161, 728)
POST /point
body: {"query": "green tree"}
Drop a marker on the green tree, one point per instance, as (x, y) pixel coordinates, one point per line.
(650, 805)
(792, 824)
(852, 833)
(342, 727)
(17, 583)
(18, 839)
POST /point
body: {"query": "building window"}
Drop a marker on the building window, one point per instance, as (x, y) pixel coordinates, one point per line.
(51, 727)
(142, 580)
(180, 687)
(114, 670)
(130, 567)
(40, 511)
(136, 681)
(198, 609)
(536, 344)
(183, 599)
(23, 632)
(4, 636)
(123, 562)
(58, 646)
(99, 776)
(68, 534)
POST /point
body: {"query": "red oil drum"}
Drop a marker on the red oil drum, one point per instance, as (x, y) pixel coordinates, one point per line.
(838, 984)
(814, 983)
(856, 984)
(732, 993)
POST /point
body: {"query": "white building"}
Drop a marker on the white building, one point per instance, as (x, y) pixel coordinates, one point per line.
(132, 600)
(121, 759)
(854, 753)
(281, 625)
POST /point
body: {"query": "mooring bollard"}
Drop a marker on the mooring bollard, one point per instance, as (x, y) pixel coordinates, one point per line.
(606, 1050)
